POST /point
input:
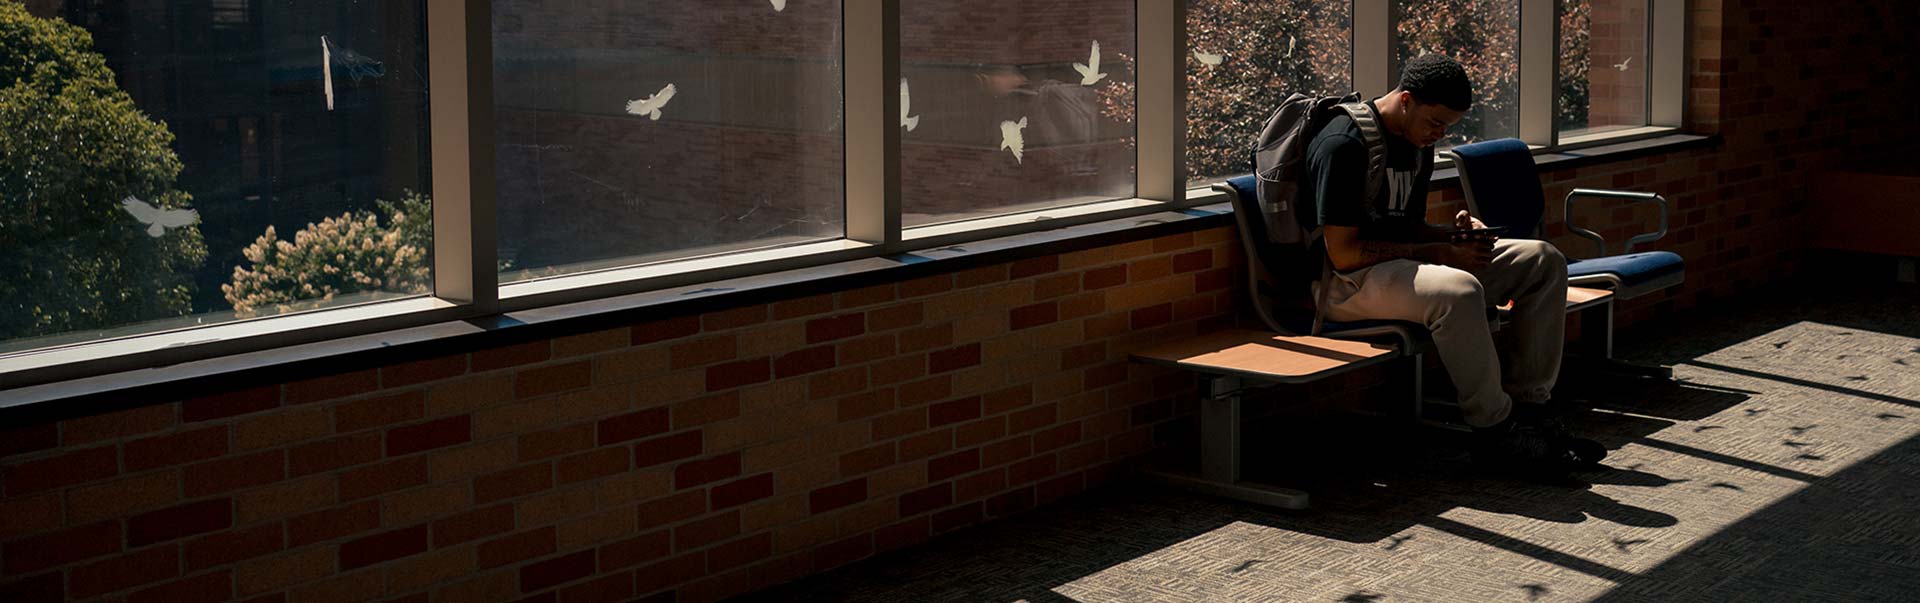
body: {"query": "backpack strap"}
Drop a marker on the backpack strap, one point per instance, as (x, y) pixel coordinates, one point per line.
(1368, 122)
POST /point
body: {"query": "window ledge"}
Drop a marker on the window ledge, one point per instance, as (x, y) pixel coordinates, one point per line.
(125, 389)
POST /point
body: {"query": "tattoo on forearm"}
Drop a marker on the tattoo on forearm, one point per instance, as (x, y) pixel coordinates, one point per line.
(1374, 252)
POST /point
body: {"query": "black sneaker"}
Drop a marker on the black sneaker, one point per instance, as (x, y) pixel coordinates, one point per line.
(1526, 450)
(1587, 453)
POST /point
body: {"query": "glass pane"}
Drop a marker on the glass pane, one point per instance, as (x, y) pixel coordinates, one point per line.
(198, 161)
(1014, 105)
(1249, 56)
(650, 130)
(1603, 66)
(1484, 36)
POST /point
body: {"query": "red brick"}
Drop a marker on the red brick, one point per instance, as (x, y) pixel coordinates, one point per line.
(1056, 437)
(513, 355)
(636, 550)
(981, 431)
(590, 465)
(1172, 242)
(1031, 470)
(947, 413)
(633, 426)
(332, 386)
(979, 485)
(533, 383)
(383, 478)
(516, 547)
(781, 571)
(861, 350)
(678, 570)
(49, 587)
(234, 473)
(862, 406)
(1151, 316)
(1033, 418)
(704, 351)
(385, 546)
(836, 496)
(1003, 452)
(742, 491)
(117, 425)
(1102, 376)
(1213, 280)
(473, 525)
(926, 499)
(735, 318)
(229, 404)
(216, 586)
(696, 534)
(333, 523)
(980, 276)
(32, 554)
(518, 481)
(1026, 317)
(837, 383)
(664, 511)
(805, 361)
(22, 439)
(68, 469)
(710, 409)
(1034, 266)
(736, 374)
(740, 552)
(923, 338)
(1056, 285)
(952, 465)
(837, 327)
(890, 426)
(929, 285)
(1101, 278)
(176, 448)
(805, 306)
(422, 371)
(901, 535)
(866, 296)
(895, 317)
(605, 589)
(866, 459)
(333, 454)
(925, 390)
(1200, 259)
(953, 359)
(1009, 503)
(958, 517)
(233, 545)
(133, 569)
(556, 571)
(842, 552)
(706, 471)
(438, 433)
(667, 449)
(662, 330)
(380, 411)
(555, 442)
(179, 522)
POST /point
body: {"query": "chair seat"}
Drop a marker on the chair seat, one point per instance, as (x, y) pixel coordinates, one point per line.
(1301, 321)
(1632, 269)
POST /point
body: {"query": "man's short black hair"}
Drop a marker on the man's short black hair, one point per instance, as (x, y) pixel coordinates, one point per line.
(1437, 78)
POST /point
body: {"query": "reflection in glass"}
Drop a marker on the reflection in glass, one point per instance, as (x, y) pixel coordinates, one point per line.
(1484, 36)
(1246, 58)
(1603, 66)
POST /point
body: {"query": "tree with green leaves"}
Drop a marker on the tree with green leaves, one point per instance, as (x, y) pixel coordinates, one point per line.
(357, 252)
(93, 233)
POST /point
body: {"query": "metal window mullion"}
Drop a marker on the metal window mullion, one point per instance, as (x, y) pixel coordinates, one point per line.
(1667, 56)
(460, 68)
(871, 30)
(1160, 89)
(1538, 72)
(1372, 47)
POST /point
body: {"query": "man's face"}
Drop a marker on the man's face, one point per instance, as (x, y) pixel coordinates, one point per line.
(1428, 123)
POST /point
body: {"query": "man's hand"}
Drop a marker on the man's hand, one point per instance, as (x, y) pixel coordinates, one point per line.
(1471, 255)
(1465, 221)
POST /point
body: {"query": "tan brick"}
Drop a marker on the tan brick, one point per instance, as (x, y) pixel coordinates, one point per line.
(897, 479)
(805, 475)
(591, 343)
(769, 456)
(281, 428)
(273, 573)
(602, 527)
(633, 486)
(284, 499)
(626, 366)
(115, 425)
(550, 508)
(121, 498)
(764, 398)
(804, 535)
(513, 418)
(1057, 386)
(866, 517)
(1147, 294)
(838, 438)
(775, 512)
(19, 515)
(668, 388)
(774, 338)
(709, 409)
(739, 433)
(358, 586)
(421, 571)
(979, 379)
(979, 328)
(470, 394)
(502, 585)
(420, 504)
(592, 403)
(470, 460)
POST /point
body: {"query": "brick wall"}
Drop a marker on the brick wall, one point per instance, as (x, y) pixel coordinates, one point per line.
(1617, 87)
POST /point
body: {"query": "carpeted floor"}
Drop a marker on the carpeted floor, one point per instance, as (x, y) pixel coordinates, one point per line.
(1784, 467)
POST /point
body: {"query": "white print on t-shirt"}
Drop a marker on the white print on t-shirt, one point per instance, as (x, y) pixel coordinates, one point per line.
(1400, 187)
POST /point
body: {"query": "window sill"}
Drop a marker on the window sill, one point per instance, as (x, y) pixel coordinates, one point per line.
(135, 387)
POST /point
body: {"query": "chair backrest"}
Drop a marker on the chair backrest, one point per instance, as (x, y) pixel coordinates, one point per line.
(1272, 292)
(1501, 185)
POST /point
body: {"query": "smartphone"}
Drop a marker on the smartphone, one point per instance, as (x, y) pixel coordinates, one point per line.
(1488, 233)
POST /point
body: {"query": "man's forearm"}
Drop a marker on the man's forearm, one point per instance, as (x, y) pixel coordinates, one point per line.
(1374, 252)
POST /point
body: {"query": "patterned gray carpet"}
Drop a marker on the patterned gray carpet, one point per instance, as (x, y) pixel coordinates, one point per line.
(1783, 467)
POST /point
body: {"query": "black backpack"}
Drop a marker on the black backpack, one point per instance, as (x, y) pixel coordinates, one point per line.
(1280, 163)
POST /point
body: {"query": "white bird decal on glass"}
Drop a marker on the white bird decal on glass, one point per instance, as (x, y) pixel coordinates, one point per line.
(650, 107)
(158, 219)
(906, 104)
(326, 69)
(1090, 72)
(1011, 138)
(1622, 65)
(1208, 59)
(779, 5)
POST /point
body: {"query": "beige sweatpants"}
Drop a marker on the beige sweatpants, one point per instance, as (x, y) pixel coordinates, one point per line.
(1453, 303)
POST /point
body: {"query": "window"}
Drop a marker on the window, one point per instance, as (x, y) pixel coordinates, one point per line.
(1025, 106)
(217, 161)
(1246, 57)
(640, 131)
(1484, 36)
(1603, 66)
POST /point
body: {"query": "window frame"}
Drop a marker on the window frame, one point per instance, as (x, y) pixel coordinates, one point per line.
(467, 288)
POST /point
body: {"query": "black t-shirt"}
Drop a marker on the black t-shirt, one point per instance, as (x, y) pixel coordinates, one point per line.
(1336, 180)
